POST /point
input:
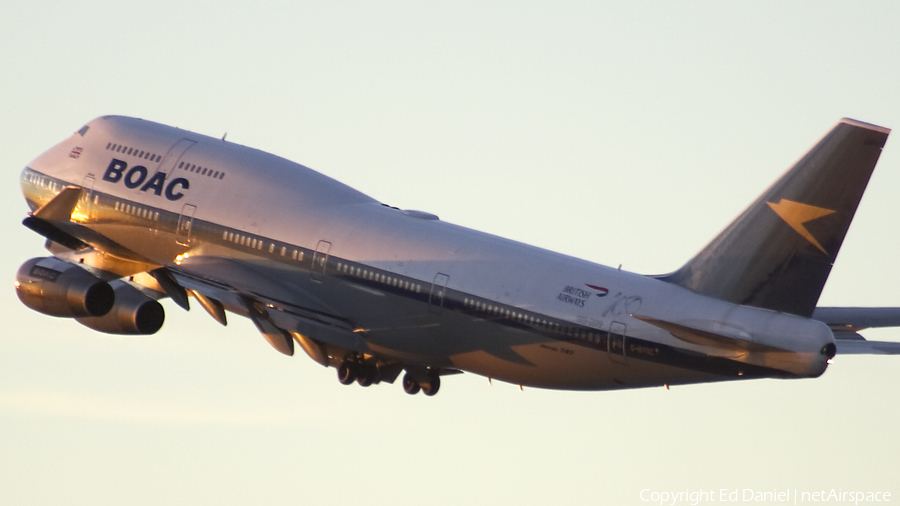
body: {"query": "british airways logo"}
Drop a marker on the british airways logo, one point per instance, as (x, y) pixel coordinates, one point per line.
(601, 292)
(137, 177)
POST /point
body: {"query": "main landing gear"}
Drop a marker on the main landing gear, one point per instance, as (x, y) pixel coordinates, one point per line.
(357, 370)
(367, 372)
(429, 386)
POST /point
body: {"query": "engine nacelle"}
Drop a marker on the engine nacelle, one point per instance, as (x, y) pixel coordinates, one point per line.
(58, 288)
(133, 313)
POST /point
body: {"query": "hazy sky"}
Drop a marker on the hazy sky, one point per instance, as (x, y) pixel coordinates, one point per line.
(619, 132)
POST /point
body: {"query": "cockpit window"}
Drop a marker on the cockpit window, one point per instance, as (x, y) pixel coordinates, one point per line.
(83, 130)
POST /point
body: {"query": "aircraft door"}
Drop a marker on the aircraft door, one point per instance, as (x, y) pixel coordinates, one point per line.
(185, 221)
(436, 297)
(616, 343)
(320, 257)
(174, 154)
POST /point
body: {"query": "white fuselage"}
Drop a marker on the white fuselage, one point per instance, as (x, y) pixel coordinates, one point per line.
(414, 288)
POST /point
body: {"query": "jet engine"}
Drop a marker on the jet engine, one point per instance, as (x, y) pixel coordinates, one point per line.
(133, 313)
(58, 288)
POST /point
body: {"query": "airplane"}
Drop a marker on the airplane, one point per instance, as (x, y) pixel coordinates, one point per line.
(134, 211)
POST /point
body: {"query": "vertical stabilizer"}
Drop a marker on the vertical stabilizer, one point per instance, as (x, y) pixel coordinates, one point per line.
(778, 253)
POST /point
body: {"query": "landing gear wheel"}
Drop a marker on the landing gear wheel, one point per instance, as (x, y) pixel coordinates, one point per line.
(346, 373)
(366, 376)
(432, 386)
(410, 386)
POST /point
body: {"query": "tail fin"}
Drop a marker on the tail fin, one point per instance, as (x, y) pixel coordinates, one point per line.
(778, 253)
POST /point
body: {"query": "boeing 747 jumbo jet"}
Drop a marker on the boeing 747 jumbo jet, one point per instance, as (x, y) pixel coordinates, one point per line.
(134, 211)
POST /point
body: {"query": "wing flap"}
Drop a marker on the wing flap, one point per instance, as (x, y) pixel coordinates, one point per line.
(316, 328)
(277, 319)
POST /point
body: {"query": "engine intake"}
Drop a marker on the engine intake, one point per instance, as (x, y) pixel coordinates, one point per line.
(133, 313)
(58, 288)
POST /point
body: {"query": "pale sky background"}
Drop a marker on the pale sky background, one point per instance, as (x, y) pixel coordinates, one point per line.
(619, 132)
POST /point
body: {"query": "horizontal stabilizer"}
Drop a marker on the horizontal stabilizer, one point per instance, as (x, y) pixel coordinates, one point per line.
(857, 347)
(846, 334)
(717, 336)
(858, 318)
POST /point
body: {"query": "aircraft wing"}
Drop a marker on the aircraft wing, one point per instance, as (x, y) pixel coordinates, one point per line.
(281, 322)
(283, 314)
(53, 221)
